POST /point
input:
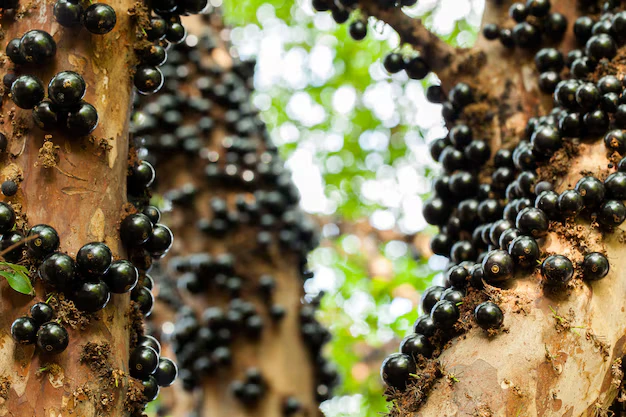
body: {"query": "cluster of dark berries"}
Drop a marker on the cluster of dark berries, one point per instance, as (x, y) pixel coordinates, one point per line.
(50, 336)
(177, 122)
(34, 47)
(153, 370)
(415, 66)
(251, 389)
(340, 11)
(97, 18)
(534, 22)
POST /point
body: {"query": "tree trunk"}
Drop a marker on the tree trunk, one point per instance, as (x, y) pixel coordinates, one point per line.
(77, 186)
(280, 353)
(560, 352)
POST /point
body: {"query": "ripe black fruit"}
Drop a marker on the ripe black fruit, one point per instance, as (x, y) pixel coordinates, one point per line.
(461, 95)
(68, 12)
(358, 30)
(462, 251)
(57, 270)
(601, 46)
(166, 372)
(27, 91)
(491, 31)
(160, 241)
(153, 55)
(570, 203)
(41, 313)
(148, 79)
(67, 88)
(548, 201)
(94, 259)
(612, 213)
(150, 341)
(396, 370)
(444, 314)
(430, 297)
(121, 277)
(91, 296)
(454, 295)
(424, 325)
(37, 46)
(46, 242)
(13, 52)
(175, 33)
(393, 63)
(150, 388)
(83, 119)
(557, 270)
(457, 276)
(153, 213)
(141, 176)
(52, 338)
(615, 185)
(525, 251)
(592, 191)
(99, 18)
(417, 68)
(136, 229)
(9, 188)
(45, 116)
(157, 29)
(7, 218)
(415, 345)
(144, 299)
(9, 239)
(488, 315)
(143, 362)
(24, 330)
(595, 266)
(498, 266)
(532, 221)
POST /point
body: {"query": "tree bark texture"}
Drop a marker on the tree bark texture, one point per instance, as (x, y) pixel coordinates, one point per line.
(560, 353)
(280, 353)
(78, 186)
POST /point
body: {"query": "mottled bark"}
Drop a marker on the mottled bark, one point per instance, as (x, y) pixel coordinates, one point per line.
(79, 190)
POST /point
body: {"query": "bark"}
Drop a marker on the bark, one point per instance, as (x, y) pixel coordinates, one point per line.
(280, 353)
(80, 194)
(560, 353)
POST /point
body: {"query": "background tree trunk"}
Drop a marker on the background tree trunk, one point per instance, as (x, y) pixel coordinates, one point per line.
(79, 189)
(283, 357)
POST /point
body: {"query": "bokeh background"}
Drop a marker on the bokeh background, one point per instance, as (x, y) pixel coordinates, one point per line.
(356, 140)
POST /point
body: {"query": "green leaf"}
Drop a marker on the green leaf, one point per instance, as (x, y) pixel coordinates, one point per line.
(17, 277)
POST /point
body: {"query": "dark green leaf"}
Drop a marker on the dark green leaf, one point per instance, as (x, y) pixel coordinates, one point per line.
(17, 277)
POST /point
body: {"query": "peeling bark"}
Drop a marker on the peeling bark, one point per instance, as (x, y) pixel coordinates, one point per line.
(77, 187)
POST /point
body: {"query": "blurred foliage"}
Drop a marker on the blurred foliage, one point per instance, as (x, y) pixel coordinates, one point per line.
(372, 296)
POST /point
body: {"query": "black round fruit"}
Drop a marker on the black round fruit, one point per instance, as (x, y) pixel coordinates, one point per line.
(8, 240)
(149, 341)
(525, 251)
(24, 330)
(37, 47)
(415, 345)
(430, 297)
(148, 79)
(67, 88)
(52, 338)
(8, 188)
(457, 276)
(166, 372)
(82, 120)
(27, 91)
(601, 46)
(143, 362)
(498, 266)
(417, 68)
(557, 270)
(99, 18)
(595, 266)
(150, 388)
(488, 315)
(160, 241)
(13, 52)
(612, 213)
(153, 55)
(358, 30)
(144, 299)
(45, 116)
(444, 314)
(157, 28)
(46, 242)
(175, 33)
(153, 213)
(615, 185)
(68, 12)
(91, 296)
(396, 370)
(491, 31)
(462, 250)
(570, 203)
(41, 313)
(424, 325)
(136, 229)
(121, 277)
(57, 271)
(592, 191)
(532, 221)
(393, 63)
(7, 218)
(94, 259)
